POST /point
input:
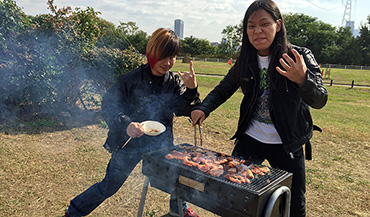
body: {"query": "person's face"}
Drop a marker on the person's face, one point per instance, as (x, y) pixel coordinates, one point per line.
(163, 66)
(261, 31)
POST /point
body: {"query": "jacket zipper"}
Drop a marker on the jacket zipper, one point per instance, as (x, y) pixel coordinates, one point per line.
(254, 93)
(286, 85)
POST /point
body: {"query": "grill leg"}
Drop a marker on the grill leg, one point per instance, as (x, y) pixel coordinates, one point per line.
(274, 197)
(179, 206)
(143, 197)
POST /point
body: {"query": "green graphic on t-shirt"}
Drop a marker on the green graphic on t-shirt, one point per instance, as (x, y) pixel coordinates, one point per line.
(265, 81)
(262, 113)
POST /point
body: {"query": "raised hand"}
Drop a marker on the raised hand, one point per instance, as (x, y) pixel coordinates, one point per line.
(294, 70)
(189, 78)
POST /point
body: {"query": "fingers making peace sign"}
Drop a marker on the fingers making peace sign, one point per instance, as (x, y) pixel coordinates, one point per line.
(294, 70)
(189, 77)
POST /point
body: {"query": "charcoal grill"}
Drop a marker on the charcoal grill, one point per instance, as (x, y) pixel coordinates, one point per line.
(267, 195)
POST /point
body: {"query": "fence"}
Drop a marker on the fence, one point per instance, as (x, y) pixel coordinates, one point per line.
(218, 60)
(339, 66)
(327, 65)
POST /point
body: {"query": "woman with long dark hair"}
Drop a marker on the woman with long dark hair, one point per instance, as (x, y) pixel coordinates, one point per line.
(280, 82)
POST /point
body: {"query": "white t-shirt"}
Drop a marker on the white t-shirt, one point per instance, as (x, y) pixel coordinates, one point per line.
(262, 127)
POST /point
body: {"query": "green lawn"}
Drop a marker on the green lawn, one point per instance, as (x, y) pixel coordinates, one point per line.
(339, 76)
(43, 169)
(200, 67)
(346, 76)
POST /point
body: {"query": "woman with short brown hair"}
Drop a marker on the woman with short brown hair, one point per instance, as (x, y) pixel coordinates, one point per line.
(150, 92)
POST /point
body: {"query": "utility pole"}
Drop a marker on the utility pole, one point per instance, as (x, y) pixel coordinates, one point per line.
(347, 12)
(346, 21)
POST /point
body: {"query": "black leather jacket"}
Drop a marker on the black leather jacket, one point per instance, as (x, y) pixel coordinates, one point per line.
(139, 96)
(289, 108)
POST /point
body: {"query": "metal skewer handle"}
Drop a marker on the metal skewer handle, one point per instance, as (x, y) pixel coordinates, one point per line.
(200, 134)
(195, 135)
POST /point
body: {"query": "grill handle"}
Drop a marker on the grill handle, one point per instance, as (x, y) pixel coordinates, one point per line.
(273, 198)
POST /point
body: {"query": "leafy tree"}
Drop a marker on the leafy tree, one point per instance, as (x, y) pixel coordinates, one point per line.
(134, 36)
(307, 31)
(128, 28)
(222, 51)
(364, 42)
(195, 46)
(85, 25)
(122, 36)
(349, 52)
(56, 43)
(13, 27)
(99, 61)
(44, 60)
(110, 36)
(231, 41)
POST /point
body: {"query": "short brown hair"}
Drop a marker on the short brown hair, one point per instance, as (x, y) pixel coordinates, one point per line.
(162, 43)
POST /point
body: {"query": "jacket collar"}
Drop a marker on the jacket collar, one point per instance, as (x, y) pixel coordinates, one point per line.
(148, 73)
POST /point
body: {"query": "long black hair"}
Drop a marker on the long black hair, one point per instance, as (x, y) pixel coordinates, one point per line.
(280, 45)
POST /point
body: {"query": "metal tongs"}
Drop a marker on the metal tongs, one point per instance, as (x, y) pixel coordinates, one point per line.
(195, 133)
(200, 135)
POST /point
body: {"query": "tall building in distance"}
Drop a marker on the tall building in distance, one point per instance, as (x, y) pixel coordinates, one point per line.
(179, 28)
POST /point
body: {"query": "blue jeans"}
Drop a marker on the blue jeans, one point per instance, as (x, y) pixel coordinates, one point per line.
(119, 168)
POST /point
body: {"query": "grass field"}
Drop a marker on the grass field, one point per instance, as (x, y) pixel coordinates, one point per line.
(339, 76)
(45, 163)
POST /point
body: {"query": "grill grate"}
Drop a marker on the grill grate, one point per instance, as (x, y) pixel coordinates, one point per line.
(216, 194)
(259, 183)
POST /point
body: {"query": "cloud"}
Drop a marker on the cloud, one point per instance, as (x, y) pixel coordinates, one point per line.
(202, 18)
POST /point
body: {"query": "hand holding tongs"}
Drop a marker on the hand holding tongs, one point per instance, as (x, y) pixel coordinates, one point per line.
(195, 133)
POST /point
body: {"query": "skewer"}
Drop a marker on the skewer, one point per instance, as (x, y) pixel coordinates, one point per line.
(126, 142)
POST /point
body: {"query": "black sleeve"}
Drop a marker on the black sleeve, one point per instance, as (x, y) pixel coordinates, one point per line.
(222, 92)
(313, 91)
(113, 106)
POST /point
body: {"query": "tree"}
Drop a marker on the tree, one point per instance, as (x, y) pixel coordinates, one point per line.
(195, 46)
(56, 43)
(232, 37)
(364, 42)
(110, 37)
(307, 31)
(134, 36)
(85, 25)
(349, 52)
(122, 36)
(13, 27)
(99, 61)
(45, 62)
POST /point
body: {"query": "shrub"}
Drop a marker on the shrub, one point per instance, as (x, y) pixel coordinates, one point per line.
(48, 62)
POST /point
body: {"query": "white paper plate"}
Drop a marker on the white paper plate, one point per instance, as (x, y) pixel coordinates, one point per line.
(153, 128)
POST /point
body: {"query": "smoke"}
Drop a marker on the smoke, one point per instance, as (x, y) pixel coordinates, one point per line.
(51, 66)
(44, 78)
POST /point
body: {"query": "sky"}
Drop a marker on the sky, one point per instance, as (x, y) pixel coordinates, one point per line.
(203, 19)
